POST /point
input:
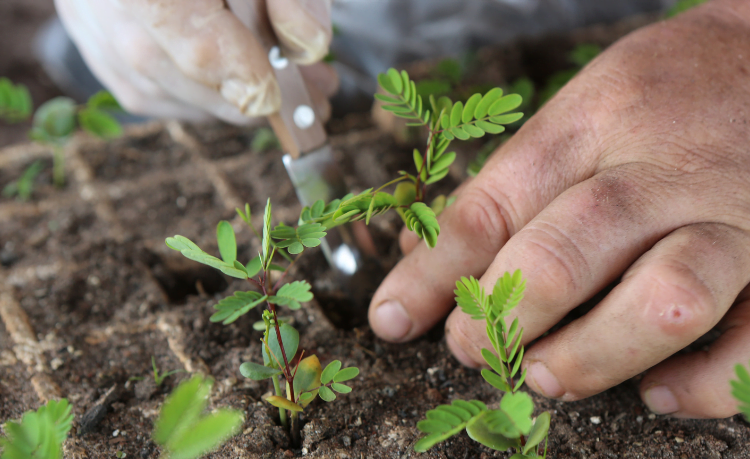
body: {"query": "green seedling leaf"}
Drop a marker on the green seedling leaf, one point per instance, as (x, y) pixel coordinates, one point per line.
(257, 372)
(330, 371)
(307, 378)
(492, 96)
(275, 267)
(281, 402)
(183, 432)
(181, 243)
(538, 432)
(103, 100)
(306, 397)
(479, 431)
(447, 420)
(470, 108)
(54, 120)
(505, 104)
(341, 388)
(266, 243)
(290, 338)
(492, 361)
(495, 380)
(99, 123)
(202, 257)
(246, 216)
(507, 119)
(264, 140)
(296, 239)
(227, 241)
(456, 113)
(292, 294)
(253, 267)
(741, 389)
(15, 101)
(473, 130)
(471, 297)
(40, 433)
(507, 293)
(422, 220)
(346, 374)
(24, 186)
(443, 163)
(489, 127)
(326, 394)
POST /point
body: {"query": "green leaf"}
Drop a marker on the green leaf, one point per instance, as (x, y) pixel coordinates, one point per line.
(253, 266)
(233, 307)
(388, 99)
(281, 402)
(447, 420)
(341, 388)
(422, 220)
(181, 243)
(202, 257)
(296, 239)
(443, 163)
(492, 96)
(330, 371)
(495, 380)
(478, 431)
(55, 120)
(473, 130)
(433, 426)
(470, 108)
(40, 433)
(326, 394)
(181, 430)
(257, 372)
(226, 240)
(404, 193)
(99, 123)
(741, 389)
(346, 374)
(103, 100)
(307, 378)
(266, 243)
(507, 293)
(489, 127)
(459, 133)
(506, 119)
(385, 82)
(290, 338)
(396, 81)
(471, 297)
(15, 101)
(513, 419)
(247, 215)
(493, 361)
(538, 432)
(456, 114)
(505, 104)
(292, 294)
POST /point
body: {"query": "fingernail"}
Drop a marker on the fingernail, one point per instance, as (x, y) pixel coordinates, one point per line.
(661, 400)
(391, 321)
(544, 381)
(320, 10)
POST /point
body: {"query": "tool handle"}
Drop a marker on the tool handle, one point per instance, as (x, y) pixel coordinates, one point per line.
(297, 125)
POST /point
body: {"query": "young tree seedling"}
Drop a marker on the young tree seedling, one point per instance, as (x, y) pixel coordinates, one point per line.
(510, 426)
(304, 377)
(40, 434)
(56, 120)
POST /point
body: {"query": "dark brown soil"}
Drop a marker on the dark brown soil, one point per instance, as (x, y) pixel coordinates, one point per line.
(88, 266)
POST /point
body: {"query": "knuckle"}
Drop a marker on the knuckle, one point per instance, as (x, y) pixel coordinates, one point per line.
(197, 57)
(481, 219)
(562, 265)
(677, 301)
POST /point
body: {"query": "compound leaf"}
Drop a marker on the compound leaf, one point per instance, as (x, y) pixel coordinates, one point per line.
(292, 294)
(207, 434)
(296, 239)
(471, 297)
(421, 219)
(233, 307)
(741, 389)
(508, 292)
(447, 420)
(479, 431)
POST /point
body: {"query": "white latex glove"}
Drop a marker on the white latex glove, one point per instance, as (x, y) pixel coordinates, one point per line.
(191, 59)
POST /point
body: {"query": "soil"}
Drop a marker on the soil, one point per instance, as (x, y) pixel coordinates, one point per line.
(89, 292)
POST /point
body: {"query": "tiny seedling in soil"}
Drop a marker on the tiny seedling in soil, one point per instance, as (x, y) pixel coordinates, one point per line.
(40, 434)
(24, 186)
(305, 378)
(183, 431)
(511, 425)
(160, 377)
(56, 120)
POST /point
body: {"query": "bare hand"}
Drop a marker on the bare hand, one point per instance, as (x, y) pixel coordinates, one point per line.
(638, 169)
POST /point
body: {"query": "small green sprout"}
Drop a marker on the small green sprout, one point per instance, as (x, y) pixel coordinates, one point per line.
(741, 390)
(40, 434)
(183, 431)
(264, 140)
(56, 120)
(511, 425)
(159, 378)
(24, 186)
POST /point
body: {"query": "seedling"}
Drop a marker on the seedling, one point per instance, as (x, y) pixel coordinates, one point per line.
(24, 186)
(56, 120)
(511, 425)
(183, 431)
(304, 377)
(159, 378)
(40, 434)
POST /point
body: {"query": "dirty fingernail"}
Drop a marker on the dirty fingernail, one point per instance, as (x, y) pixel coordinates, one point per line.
(544, 381)
(661, 400)
(258, 98)
(391, 321)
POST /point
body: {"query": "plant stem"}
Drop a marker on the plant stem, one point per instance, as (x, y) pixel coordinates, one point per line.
(58, 166)
(282, 411)
(295, 430)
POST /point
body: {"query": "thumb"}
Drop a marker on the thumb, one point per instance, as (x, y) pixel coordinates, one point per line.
(303, 28)
(209, 44)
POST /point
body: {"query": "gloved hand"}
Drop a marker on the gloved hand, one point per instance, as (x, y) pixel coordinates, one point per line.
(637, 170)
(189, 59)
